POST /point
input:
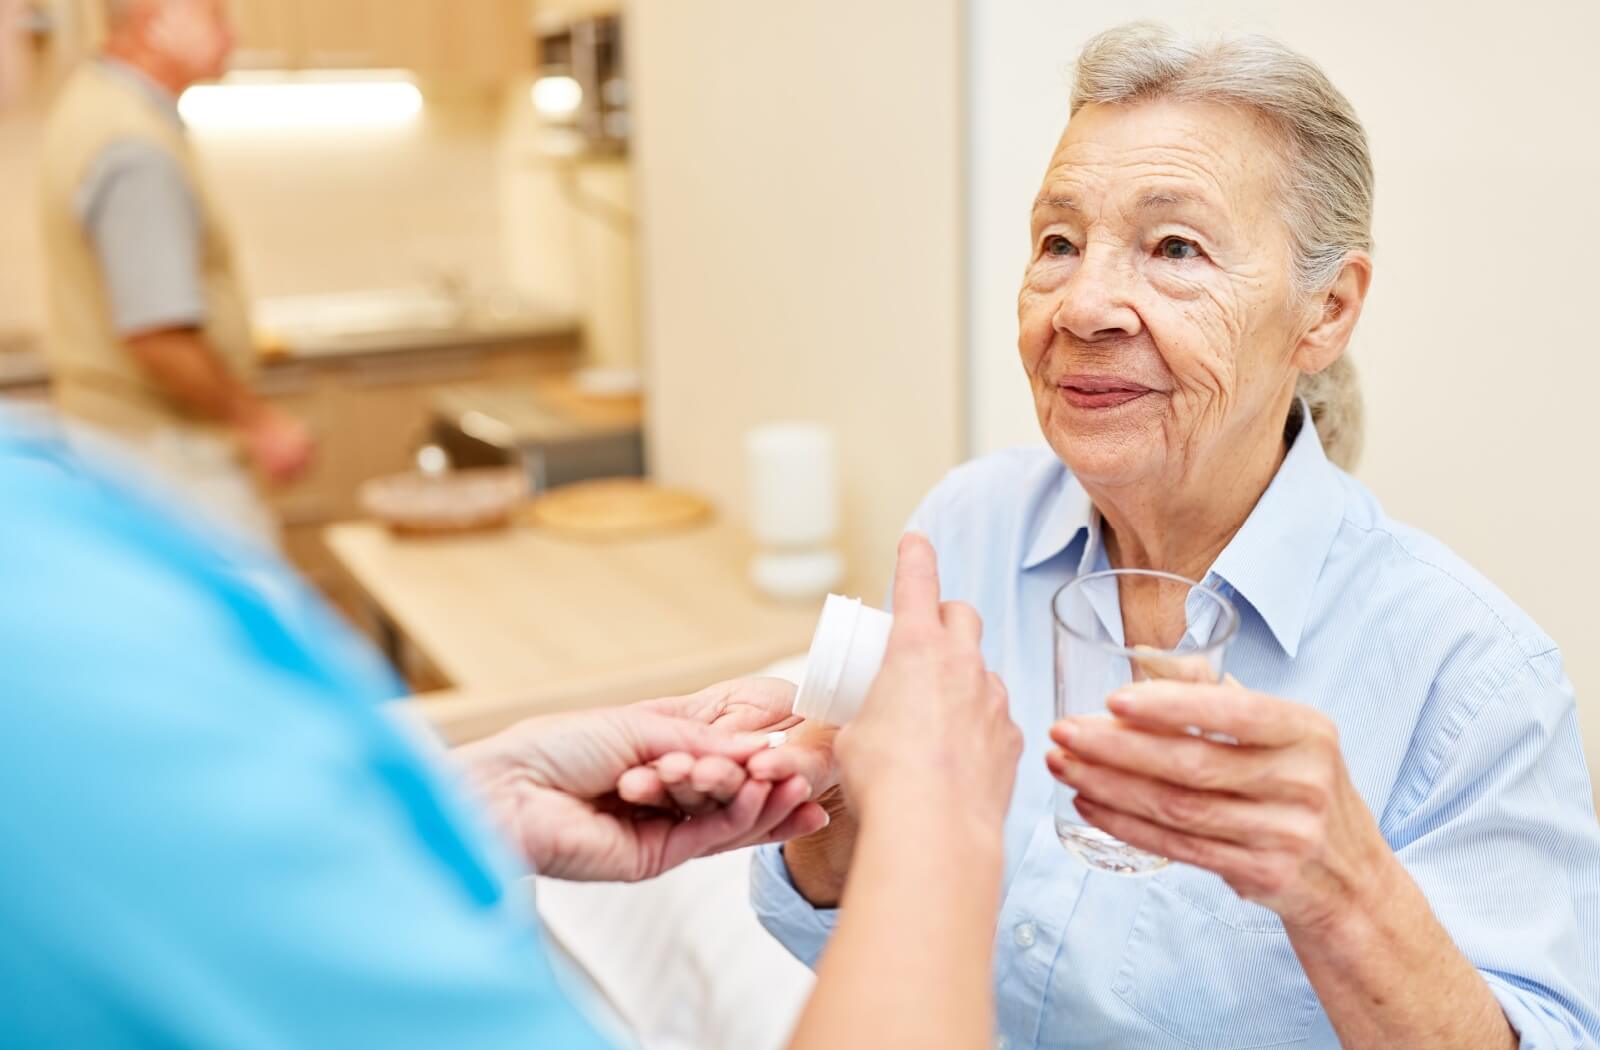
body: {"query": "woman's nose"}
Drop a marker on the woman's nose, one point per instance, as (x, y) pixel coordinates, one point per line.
(1093, 304)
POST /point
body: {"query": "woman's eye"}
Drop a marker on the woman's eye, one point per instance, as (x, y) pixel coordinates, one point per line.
(1055, 244)
(1178, 248)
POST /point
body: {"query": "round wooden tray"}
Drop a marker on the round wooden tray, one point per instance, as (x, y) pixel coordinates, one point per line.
(458, 501)
(615, 508)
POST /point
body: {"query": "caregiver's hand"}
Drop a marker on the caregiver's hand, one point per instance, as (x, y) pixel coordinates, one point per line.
(1276, 817)
(693, 784)
(551, 783)
(928, 767)
(935, 734)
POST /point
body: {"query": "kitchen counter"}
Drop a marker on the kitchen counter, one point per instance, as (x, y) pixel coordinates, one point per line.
(310, 344)
(522, 621)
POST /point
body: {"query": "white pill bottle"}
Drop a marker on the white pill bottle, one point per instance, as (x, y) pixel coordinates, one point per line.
(845, 657)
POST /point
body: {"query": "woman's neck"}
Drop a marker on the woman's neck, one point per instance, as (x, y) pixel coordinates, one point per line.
(1181, 525)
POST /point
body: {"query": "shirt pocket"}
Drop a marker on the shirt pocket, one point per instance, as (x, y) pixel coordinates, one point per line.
(1212, 970)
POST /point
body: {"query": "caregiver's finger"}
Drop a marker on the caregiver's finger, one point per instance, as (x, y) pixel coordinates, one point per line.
(807, 819)
(916, 583)
(717, 777)
(676, 770)
(718, 829)
(962, 620)
(641, 786)
(781, 804)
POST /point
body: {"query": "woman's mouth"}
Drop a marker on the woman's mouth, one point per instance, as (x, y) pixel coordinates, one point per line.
(1100, 392)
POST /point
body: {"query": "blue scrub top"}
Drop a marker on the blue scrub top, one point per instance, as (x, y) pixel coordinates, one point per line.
(213, 835)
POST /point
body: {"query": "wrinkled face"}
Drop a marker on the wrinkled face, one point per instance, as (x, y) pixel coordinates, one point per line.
(1157, 318)
(195, 35)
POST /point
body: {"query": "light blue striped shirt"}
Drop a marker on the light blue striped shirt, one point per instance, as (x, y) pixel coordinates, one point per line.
(1458, 726)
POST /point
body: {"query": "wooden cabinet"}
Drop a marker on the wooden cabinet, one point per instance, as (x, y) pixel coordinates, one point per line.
(389, 403)
(476, 43)
(341, 34)
(571, 10)
(373, 411)
(303, 391)
(267, 34)
(370, 413)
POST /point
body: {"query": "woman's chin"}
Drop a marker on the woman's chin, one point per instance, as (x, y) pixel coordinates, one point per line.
(1103, 459)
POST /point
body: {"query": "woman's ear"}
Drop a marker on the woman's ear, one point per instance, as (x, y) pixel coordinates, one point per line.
(1338, 308)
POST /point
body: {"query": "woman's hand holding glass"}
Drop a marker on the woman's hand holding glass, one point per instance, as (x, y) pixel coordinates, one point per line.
(1275, 815)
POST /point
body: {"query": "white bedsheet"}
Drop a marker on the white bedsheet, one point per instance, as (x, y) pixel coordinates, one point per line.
(682, 959)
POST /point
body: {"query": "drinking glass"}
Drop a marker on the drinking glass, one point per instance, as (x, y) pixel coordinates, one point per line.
(1093, 661)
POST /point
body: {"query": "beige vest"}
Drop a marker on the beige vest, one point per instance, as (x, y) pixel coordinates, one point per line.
(94, 377)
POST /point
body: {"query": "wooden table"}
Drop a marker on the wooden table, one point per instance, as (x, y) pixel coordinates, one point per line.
(521, 622)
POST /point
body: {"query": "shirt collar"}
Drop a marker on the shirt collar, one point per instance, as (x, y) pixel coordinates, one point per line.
(1272, 562)
(1068, 513)
(148, 89)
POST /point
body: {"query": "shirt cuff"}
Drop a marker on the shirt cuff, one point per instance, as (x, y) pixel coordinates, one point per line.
(1540, 1025)
(788, 916)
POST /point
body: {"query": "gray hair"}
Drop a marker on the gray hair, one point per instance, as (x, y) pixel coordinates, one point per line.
(1328, 181)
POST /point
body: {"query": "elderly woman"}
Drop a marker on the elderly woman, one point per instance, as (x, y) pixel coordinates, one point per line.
(1403, 853)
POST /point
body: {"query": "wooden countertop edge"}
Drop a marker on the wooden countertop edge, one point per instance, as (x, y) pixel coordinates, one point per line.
(419, 341)
(23, 364)
(466, 714)
(330, 539)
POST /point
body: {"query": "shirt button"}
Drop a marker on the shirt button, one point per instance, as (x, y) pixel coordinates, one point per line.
(1025, 934)
(1002, 1043)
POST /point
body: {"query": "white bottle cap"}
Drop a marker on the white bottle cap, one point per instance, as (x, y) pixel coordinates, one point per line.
(846, 654)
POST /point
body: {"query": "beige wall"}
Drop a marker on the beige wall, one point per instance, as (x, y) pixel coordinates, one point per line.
(341, 211)
(799, 178)
(1478, 346)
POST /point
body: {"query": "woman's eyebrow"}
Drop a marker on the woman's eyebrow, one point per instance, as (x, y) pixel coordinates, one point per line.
(1170, 199)
(1057, 203)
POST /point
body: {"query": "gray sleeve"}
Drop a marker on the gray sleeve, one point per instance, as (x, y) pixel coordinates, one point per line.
(143, 218)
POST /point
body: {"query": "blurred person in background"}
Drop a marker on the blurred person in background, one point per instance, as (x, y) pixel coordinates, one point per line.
(149, 331)
(217, 835)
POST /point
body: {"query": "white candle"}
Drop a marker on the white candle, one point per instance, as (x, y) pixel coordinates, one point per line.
(793, 485)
